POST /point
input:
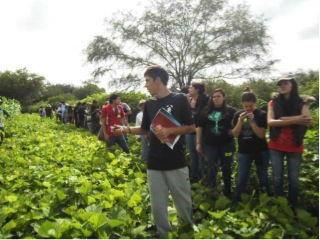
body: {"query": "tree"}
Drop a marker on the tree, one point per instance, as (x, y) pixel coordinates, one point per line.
(192, 38)
(87, 90)
(52, 90)
(21, 85)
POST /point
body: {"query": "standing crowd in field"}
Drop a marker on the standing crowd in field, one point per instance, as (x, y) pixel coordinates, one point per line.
(213, 132)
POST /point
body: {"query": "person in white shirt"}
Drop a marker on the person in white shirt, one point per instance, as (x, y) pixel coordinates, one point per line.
(142, 138)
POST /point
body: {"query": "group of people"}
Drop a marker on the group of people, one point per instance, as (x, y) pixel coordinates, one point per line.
(211, 128)
(218, 125)
(84, 115)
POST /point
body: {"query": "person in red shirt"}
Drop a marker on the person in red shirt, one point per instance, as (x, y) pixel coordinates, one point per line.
(288, 116)
(112, 115)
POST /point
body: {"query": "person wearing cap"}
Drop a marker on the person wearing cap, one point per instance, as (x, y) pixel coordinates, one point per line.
(288, 117)
(142, 138)
(3, 114)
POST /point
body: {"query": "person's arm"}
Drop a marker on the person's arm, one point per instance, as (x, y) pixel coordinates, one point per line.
(305, 112)
(237, 129)
(199, 137)
(129, 112)
(124, 120)
(128, 109)
(103, 126)
(103, 121)
(303, 119)
(130, 130)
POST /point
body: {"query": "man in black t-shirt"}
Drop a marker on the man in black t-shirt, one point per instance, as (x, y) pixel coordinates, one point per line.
(48, 111)
(76, 114)
(167, 168)
(82, 114)
(95, 117)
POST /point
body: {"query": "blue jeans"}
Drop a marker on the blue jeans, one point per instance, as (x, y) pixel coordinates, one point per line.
(196, 158)
(220, 156)
(244, 165)
(293, 166)
(121, 141)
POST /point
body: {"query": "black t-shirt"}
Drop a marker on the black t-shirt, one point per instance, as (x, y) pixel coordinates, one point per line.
(95, 117)
(248, 141)
(48, 111)
(162, 157)
(82, 113)
(75, 112)
(216, 126)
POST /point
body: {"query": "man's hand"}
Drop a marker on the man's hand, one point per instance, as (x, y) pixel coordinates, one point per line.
(119, 130)
(199, 148)
(162, 133)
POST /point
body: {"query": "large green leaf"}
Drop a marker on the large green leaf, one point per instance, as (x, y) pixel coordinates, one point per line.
(9, 226)
(53, 229)
(97, 220)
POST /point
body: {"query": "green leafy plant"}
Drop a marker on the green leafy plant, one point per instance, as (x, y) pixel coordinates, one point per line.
(57, 181)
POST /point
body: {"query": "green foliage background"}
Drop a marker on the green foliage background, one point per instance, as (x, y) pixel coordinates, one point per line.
(57, 181)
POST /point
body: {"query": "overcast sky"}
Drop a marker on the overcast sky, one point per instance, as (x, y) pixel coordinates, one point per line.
(48, 37)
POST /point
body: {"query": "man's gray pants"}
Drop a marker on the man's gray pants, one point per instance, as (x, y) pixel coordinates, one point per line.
(178, 183)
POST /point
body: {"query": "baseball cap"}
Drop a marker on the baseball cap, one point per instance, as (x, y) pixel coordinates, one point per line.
(282, 79)
(141, 102)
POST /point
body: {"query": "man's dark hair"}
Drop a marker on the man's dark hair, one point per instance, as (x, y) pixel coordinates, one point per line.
(113, 97)
(155, 71)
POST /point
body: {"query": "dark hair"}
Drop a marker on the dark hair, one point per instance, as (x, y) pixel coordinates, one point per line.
(155, 71)
(210, 107)
(291, 107)
(248, 96)
(201, 86)
(184, 89)
(113, 97)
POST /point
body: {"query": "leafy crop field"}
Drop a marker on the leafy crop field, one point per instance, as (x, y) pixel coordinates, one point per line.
(57, 181)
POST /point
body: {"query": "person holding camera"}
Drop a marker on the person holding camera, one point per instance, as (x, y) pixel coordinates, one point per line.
(250, 129)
